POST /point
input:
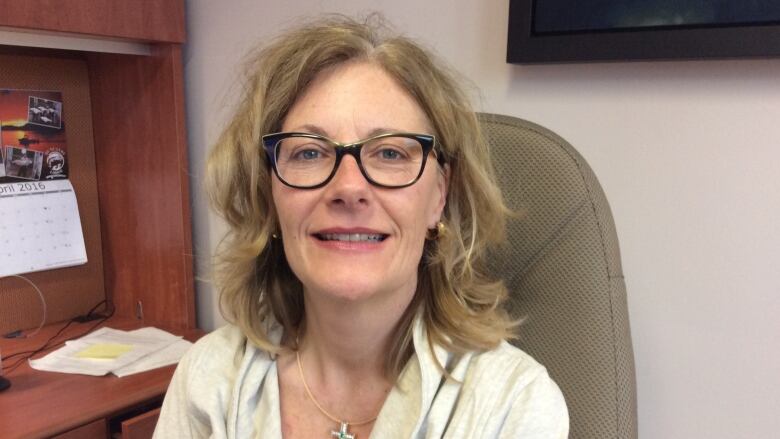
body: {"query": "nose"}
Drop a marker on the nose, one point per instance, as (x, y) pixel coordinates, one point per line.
(348, 187)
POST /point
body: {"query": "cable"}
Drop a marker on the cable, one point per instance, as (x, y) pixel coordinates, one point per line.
(61, 330)
(70, 322)
(20, 361)
(27, 355)
(43, 303)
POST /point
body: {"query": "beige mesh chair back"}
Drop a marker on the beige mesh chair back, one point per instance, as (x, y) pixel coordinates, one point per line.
(562, 267)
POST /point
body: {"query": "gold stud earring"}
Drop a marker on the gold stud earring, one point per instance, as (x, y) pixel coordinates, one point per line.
(437, 232)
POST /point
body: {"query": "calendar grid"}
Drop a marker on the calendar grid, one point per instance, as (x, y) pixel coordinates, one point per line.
(40, 228)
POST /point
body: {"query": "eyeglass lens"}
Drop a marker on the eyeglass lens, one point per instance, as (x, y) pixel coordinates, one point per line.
(389, 161)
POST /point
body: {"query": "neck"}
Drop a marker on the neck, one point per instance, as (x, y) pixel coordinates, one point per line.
(343, 350)
(350, 339)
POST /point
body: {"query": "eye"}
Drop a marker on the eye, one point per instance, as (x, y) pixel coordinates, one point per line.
(303, 150)
(306, 154)
(390, 154)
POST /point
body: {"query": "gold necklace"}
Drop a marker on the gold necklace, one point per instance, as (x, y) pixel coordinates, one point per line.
(343, 425)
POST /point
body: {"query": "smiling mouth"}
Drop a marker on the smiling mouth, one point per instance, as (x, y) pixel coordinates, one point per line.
(351, 237)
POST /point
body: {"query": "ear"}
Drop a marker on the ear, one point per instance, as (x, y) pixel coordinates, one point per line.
(442, 184)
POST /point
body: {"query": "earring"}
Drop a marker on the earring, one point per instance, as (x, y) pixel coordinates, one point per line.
(436, 233)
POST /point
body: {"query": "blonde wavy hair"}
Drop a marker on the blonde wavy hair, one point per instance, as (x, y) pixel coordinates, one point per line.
(459, 302)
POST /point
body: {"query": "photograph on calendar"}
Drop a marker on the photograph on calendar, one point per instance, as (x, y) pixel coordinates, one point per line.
(23, 163)
(2, 163)
(32, 136)
(44, 112)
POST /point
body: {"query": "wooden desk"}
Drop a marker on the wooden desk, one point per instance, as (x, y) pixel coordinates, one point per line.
(45, 404)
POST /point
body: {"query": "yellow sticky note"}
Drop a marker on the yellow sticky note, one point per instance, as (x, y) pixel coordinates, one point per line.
(107, 351)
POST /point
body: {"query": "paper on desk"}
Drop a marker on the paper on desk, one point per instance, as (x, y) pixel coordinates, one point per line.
(104, 351)
(149, 347)
(164, 357)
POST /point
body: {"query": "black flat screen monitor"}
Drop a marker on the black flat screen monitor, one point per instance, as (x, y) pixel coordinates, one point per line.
(548, 31)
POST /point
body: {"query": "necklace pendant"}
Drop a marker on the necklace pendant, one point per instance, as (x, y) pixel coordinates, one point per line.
(342, 433)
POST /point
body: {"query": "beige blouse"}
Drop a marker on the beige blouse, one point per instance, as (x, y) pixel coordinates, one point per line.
(225, 387)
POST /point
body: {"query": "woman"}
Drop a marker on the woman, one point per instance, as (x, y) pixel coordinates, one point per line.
(360, 202)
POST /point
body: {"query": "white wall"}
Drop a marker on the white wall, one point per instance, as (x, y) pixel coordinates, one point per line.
(688, 154)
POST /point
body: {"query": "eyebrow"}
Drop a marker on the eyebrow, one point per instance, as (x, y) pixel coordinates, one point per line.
(314, 129)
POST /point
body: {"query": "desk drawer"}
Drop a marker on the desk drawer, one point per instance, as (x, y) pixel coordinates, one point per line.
(141, 426)
(93, 430)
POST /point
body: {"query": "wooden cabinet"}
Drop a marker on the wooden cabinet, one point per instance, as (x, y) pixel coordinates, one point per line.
(143, 184)
(141, 167)
(140, 147)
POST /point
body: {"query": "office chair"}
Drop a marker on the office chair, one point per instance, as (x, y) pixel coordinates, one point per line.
(562, 267)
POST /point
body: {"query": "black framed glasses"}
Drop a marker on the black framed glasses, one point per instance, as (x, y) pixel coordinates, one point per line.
(309, 161)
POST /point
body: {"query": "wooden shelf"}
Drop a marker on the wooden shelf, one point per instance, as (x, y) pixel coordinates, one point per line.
(160, 21)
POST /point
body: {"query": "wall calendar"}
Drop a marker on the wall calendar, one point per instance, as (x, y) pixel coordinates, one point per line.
(40, 228)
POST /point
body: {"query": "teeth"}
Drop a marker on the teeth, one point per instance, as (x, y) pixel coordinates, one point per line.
(356, 237)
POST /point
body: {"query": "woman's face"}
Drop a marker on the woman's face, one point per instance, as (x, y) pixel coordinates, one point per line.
(347, 103)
